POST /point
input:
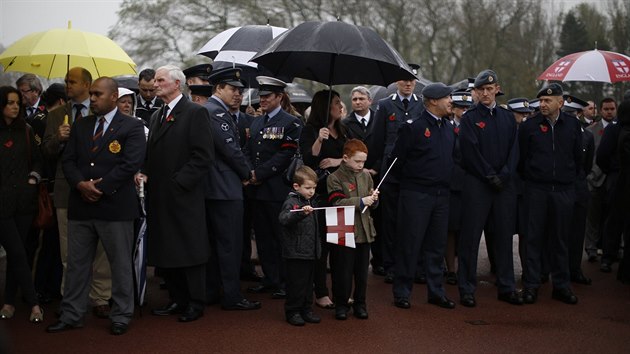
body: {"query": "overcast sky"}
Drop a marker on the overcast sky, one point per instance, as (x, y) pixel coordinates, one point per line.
(21, 17)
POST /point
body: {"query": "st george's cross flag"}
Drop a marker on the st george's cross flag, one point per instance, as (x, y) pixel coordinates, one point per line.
(340, 226)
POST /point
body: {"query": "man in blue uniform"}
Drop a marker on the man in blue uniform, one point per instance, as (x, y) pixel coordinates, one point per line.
(224, 195)
(425, 152)
(489, 149)
(550, 161)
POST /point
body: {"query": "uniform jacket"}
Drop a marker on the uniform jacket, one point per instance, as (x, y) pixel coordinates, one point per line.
(52, 150)
(16, 195)
(551, 155)
(230, 166)
(390, 114)
(270, 150)
(489, 143)
(143, 113)
(457, 180)
(346, 188)
(596, 176)
(299, 234)
(179, 153)
(244, 123)
(117, 159)
(356, 130)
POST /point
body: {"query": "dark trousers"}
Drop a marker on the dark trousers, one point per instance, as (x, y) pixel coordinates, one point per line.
(18, 273)
(376, 247)
(483, 206)
(348, 265)
(614, 224)
(49, 269)
(187, 285)
(423, 227)
(388, 205)
(320, 274)
(299, 286)
(549, 217)
(267, 229)
(578, 228)
(247, 265)
(225, 222)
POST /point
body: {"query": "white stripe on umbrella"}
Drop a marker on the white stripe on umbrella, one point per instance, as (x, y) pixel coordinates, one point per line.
(251, 38)
(593, 65)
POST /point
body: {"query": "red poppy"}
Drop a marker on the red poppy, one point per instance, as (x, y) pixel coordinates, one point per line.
(8, 143)
(392, 117)
(481, 124)
(601, 132)
(170, 118)
(544, 128)
(456, 130)
(352, 187)
(427, 132)
(295, 207)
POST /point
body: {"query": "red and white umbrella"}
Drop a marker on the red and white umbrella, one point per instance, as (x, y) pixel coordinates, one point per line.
(593, 65)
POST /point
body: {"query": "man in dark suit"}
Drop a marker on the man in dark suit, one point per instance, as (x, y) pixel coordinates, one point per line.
(274, 140)
(179, 152)
(403, 106)
(224, 195)
(147, 102)
(100, 160)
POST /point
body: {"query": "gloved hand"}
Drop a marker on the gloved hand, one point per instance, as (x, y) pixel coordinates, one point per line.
(495, 182)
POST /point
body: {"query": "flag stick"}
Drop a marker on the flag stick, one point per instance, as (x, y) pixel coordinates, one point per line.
(321, 208)
(381, 182)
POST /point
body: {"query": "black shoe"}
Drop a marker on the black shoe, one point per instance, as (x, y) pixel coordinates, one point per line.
(260, 289)
(310, 317)
(468, 300)
(442, 302)
(60, 327)
(341, 312)
(530, 295)
(296, 320)
(580, 278)
(118, 328)
(360, 312)
(402, 303)
(592, 257)
(378, 270)
(511, 297)
(451, 278)
(190, 314)
(389, 278)
(279, 294)
(171, 309)
(251, 276)
(420, 279)
(565, 295)
(243, 305)
(605, 267)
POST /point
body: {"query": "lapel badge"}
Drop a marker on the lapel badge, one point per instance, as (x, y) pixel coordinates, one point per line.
(114, 147)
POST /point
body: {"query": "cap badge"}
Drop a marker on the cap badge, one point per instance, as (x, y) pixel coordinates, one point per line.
(237, 74)
(549, 91)
(526, 104)
(568, 99)
(464, 98)
(490, 78)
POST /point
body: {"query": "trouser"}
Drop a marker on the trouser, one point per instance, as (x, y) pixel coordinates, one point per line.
(267, 229)
(299, 286)
(13, 231)
(349, 265)
(247, 265)
(320, 273)
(614, 224)
(595, 220)
(187, 285)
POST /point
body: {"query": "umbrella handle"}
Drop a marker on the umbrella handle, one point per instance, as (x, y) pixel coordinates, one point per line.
(141, 189)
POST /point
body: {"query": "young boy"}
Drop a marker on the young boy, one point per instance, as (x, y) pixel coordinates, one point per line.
(300, 247)
(351, 185)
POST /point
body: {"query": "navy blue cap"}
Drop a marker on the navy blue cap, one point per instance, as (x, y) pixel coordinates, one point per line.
(486, 77)
(201, 70)
(520, 105)
(551, 90)
(268, 85)
(462, 98)
(415, 68)
(436, 90)
(201, 90)
(230, 76)
(572, 103)
(535, 104)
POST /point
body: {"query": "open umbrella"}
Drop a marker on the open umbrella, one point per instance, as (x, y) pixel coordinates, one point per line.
(593, 65)
(51, 53)
(334, 53)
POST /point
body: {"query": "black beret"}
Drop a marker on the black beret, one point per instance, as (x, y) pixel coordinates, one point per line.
(486, 77)
(551, 90)
(436, 90)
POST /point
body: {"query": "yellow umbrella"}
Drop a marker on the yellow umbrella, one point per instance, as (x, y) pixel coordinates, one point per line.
(51, 53)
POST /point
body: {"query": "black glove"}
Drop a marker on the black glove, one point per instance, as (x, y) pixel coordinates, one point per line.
(495, 182)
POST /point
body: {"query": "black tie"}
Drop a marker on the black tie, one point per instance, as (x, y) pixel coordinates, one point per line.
(79, 108)
(267, 118)
(30, 110)
(235, 117)
(405, 103)
(164, 113)
(98, 134)
(147, 105)
(439, 122)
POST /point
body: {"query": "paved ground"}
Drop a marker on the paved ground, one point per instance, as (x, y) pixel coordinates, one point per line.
(599, 323)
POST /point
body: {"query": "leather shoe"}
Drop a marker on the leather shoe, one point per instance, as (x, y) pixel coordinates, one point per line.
(279, 294)
(310, 317)
(530, 295)
(60, 327)
(402, 303)
(468, 300)
(251, 276)
(389, 278)
(420, 279)
(605, 267)
(260, 289)
(580, 278)
(378, 270)
(360, 312)
(243, 305)
(171, 309)
(101, 311)
(511, 297)
(442, 302)
(565, 295)
(341, 313)
(451, 278)
(296, 320)
(190, 314)
(118, 328)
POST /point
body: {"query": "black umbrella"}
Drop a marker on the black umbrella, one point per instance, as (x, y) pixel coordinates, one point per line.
(334, 53)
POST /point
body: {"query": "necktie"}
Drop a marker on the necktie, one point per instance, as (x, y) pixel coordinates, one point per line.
(439, 122)
(164, 113)
(147, 105)
(235, 118)
(29, 110)
(266, 118)
(98, 133)
(364, 122)
(79, 114)
(405, 103)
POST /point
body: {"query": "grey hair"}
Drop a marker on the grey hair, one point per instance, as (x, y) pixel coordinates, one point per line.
(175, 73)
(362, 90)
(32, 81)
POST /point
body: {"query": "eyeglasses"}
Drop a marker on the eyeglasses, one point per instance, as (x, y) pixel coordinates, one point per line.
(26, 91)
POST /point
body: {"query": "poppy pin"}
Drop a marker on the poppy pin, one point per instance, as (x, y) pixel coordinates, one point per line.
(170, 118)
(427, 132)
(456, 130)
(352, 187)
(8, 143)
(392, 117)
(481, 124)
(544, 128)
(601, 132)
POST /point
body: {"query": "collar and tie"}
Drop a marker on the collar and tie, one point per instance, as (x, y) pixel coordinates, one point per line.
(98, 134)
(164, 113)
(30, 110)
(147, 105)
(79, 111)
(405, 103)
(267, 118)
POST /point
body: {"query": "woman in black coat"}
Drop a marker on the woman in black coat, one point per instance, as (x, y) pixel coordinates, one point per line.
(20, 168)
(321, 145)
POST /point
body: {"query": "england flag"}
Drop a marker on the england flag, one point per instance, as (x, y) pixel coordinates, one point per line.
(340, 226)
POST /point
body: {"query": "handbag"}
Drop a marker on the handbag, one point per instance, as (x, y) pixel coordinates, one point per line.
(296, 162)
(44, 217)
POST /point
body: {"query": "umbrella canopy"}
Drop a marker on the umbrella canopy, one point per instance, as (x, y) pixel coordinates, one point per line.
(593, 65)
(240, 44)
(334, 53)
(51, 53)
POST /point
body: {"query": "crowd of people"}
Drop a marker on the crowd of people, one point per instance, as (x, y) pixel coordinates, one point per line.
(451, 166)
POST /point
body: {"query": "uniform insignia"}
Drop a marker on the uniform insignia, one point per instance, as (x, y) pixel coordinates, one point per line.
(8, 143)
(237, 74)
(296, 124)
(114, 147)
(543, 128)
(569, 99)
(409, 121)
(427, 132)
(464, 98)
(490, 78)
(549, 91)
(526, 104)
(220, 115)
(274, 169)
(229, 140)
(225, 127)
